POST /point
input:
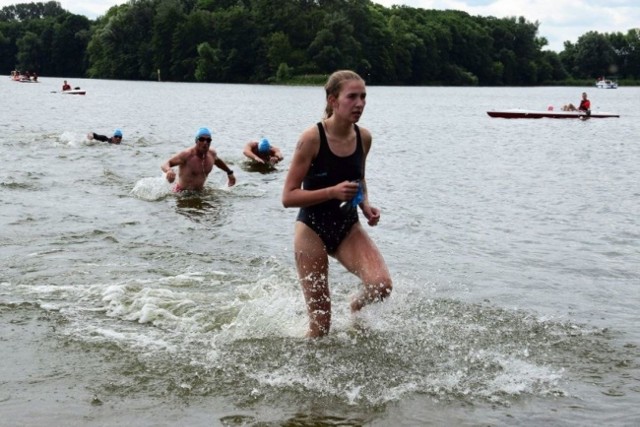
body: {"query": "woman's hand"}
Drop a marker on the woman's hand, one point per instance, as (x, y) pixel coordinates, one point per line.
(372, 214)
(346, 190)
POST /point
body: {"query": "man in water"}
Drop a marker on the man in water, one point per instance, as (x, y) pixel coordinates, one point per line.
(115, 139)
(262, 152)
(195, 164)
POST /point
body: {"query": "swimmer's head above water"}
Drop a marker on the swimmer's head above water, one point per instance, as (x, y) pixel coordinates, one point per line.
(203, 132)
(264, 146)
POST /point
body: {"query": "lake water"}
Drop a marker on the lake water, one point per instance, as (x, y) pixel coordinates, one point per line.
(514, 246)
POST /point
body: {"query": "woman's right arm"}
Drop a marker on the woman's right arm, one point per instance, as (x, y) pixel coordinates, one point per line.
(292, 194)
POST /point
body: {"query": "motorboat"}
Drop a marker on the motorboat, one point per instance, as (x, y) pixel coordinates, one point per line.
(518, 113)
(603, 83)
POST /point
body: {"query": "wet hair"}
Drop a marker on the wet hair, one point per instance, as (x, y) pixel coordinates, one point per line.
(334, 85)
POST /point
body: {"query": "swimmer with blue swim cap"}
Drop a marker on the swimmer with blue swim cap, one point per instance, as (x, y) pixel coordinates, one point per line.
(195, 164)
(203, 132)
(115, 139)
(262, 152)
(264, 146)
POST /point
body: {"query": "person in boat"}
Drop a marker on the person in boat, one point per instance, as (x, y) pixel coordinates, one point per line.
(195, 164)
(115, 139)
(328, 170)
(66, 86)
(585, 105)
(263, 152)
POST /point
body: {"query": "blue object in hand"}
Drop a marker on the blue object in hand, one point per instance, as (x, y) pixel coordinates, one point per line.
(349, 205)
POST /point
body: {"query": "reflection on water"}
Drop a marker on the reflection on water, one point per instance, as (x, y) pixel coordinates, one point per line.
(198, 206)
(262, 168)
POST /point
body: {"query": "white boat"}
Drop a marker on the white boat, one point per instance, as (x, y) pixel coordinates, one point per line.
(603, 83)
(76, 91)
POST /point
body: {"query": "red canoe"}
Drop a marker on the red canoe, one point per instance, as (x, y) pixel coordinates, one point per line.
(517, 113)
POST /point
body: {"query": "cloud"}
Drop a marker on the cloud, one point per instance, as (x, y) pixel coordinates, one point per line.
(89, 8)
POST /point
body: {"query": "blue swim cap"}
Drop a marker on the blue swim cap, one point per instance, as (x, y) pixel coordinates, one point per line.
(203, 132)
(117, 132)
(264, 146)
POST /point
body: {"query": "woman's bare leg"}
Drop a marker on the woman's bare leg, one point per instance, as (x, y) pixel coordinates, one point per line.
(361, 256)
(313, 268)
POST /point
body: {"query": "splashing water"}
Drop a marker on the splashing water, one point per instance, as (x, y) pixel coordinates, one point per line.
(151, 189)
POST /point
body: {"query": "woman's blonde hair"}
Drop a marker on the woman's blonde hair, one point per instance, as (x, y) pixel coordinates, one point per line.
(334, 85)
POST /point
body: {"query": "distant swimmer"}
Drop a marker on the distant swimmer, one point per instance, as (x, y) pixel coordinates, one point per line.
(115, 139)
(195, 164)
(263, 152)
(327, 170)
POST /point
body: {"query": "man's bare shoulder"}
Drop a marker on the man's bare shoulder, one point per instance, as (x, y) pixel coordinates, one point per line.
(186, 153)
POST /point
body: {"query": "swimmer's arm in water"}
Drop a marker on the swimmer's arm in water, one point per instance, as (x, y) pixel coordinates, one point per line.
(93, 135)
(249, 151)
(277, 155)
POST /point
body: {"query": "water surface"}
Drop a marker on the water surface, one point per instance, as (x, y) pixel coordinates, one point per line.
(513, 245)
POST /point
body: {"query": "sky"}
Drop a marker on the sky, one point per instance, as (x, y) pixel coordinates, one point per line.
(560, 20)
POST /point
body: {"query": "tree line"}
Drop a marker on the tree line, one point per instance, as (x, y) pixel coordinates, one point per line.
(262, 41)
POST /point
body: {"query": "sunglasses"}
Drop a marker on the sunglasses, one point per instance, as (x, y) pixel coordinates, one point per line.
(203, 139)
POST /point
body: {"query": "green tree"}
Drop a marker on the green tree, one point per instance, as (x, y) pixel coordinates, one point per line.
(632, 57)
(121, 46)
(370, 24)
(237, 37)
(208, 63)
(279, 50)
(30, 11)
(403, 42)
(169, 14)
(197, 28)
(627, 50)
(67, 46)
(594, 55)
(335, 46)
(29, 52)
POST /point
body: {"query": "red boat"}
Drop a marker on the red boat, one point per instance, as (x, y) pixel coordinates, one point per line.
(517, 113)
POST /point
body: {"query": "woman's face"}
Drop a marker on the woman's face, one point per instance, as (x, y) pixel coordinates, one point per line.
(349, 104)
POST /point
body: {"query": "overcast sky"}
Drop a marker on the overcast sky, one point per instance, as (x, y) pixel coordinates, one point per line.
(560, 20)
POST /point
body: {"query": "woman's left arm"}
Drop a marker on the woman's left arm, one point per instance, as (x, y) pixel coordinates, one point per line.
(371, 213)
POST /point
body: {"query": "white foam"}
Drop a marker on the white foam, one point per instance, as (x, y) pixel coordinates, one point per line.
(518, 376)
(151, 189)
(72, 139)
